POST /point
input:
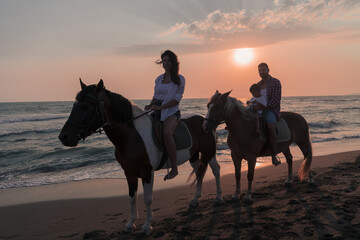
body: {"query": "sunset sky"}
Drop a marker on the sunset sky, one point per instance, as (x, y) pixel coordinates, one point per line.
(312, 47)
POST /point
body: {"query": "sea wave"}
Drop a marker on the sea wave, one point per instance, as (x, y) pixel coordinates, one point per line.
(322, 132)
(56, 167)
(34, 118)
(331, 139)
(104, 171)
(324, 124)
(350, 108)
(222, 133)
(20, 132)
(222, 145)
(67, 166)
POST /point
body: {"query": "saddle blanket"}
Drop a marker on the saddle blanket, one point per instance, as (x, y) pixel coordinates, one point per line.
(283, 132)
(182, 136)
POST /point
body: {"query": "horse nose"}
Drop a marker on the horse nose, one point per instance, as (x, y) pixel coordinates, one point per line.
(63, 137)
(205, 126)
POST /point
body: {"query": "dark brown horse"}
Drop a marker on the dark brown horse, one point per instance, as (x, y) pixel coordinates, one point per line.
(245, 145)
(130, 130)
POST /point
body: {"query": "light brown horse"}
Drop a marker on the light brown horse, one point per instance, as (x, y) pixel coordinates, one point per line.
(130, 130)
(245, 145)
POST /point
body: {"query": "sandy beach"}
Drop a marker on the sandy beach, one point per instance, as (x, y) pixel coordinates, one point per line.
(329, 209)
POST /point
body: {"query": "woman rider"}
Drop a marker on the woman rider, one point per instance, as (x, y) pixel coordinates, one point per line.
(168, 92)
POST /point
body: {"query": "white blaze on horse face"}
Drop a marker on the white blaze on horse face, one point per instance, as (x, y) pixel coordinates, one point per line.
(207, 117)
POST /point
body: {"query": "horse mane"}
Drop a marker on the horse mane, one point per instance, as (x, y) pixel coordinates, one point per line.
(121, 108)
(233, 103)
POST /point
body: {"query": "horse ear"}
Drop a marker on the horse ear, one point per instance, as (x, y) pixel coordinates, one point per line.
(225, 95)
(83, 85)
(217, 91)
(100, 86)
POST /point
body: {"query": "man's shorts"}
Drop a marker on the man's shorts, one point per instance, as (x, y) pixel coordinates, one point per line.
(269, 116)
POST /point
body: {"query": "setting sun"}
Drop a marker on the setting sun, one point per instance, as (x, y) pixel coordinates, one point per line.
(243, 55)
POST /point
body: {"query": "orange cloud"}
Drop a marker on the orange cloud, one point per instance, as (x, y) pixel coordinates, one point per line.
(225, 30)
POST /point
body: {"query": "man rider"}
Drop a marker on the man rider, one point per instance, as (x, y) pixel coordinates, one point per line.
(271, 88)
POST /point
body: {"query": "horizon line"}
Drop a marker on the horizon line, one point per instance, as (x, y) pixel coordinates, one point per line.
(146, 99)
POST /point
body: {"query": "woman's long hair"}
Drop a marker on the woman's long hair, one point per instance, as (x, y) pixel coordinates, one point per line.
(174, 71)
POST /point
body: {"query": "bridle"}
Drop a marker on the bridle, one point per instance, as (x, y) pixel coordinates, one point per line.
(215, 122)
(84, 131)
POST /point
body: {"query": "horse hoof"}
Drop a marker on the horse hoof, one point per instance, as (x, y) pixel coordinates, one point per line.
(247, 199)
(235, 198)
(219, 201)
(129, 228)
(147, 230)
(288, 182)
(194, 204)
(311, 181)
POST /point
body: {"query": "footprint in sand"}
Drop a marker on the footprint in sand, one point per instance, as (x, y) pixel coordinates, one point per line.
(263, 208)
(69, 236)
(114, 215)
(292, 235)
(293, 202)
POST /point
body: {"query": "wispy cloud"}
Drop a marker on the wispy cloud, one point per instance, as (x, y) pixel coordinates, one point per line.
(287, 20)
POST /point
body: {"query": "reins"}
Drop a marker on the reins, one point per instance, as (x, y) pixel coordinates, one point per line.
(213, 121)
(105, 123)
(243, 113)
(139, 116)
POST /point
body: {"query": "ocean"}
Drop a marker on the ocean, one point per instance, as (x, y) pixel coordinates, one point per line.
(32, 155)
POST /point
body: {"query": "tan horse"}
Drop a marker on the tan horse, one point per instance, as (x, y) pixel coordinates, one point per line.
(245, 145)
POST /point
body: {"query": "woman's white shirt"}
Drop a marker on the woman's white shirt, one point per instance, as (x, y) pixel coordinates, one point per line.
(168, 92)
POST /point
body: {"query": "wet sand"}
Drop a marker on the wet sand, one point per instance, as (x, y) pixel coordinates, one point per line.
(329, 209)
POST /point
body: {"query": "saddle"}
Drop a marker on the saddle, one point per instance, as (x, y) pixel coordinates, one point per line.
(182, 136)
(282, 130)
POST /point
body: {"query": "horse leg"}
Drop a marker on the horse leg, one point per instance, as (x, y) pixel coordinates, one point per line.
(195, 201)
(216, 171)
(289, 160)
(133, 184)
(250, 177)
(148, 191)
(237, 165)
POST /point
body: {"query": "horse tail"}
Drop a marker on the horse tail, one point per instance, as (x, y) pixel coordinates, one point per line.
(202, 169)
(304, 170)
(193, 160)
(203, 161)
(199, 171)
